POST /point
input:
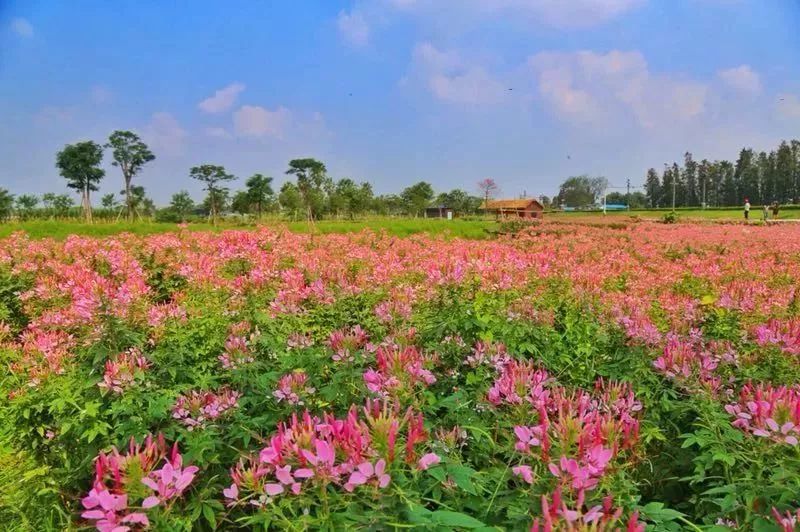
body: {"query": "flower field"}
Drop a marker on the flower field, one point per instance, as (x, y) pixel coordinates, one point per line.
(572, 378)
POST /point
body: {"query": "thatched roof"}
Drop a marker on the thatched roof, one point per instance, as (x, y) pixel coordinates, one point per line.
(525, 203)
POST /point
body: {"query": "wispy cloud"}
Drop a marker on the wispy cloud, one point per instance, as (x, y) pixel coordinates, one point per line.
(452, 78)
(742, 78)
(222, 100)
(602, 87)
(258, 122)
(22, 27)
(164, 133)
(354, 27)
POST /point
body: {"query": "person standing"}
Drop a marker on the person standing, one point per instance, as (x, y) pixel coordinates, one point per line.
(775, 210)
(746, 209)
(765, 213)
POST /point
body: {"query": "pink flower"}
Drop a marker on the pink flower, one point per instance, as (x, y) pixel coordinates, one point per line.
(525, 472)
(429, 460)
(108, 517)
(366, 471)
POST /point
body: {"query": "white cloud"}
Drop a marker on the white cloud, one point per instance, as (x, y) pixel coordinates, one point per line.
(222, 100)
(592, 87)
(353, 27)
(218, 132)
(165, 134)
(788, 106)
(258, 122)
(22, 27)
(742, 78)
(100, 94)
(454, 79)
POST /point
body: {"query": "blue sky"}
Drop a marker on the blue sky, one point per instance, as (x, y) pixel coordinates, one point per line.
(396, 91)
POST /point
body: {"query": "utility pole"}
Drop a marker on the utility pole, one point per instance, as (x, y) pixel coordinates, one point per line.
(628, 197)
(704, 191)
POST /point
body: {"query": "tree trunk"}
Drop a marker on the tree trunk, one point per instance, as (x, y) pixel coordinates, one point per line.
(128, 202)
(87, 204)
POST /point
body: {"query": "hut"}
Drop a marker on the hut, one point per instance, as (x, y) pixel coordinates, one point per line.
(439, 211)
(514, 208)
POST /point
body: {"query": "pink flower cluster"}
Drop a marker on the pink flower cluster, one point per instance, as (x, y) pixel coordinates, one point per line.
(490, 353)
(238, 347)
(787, 520)
(296, 291)
(121, 372)
(292, 387)
(586, 431)
(683, 359)
(768, 412)
(557, 516)
(356, 451)
(346, 343)
(520, 383)
(119, 480)
(784, 334)
(198, 407)
(399, 370)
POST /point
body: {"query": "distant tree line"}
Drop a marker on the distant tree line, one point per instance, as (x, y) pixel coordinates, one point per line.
(761, 177)
(312, 195)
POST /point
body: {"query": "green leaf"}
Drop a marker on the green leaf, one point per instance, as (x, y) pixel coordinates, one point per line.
(457, 519)
(208, 513)
(656, 511)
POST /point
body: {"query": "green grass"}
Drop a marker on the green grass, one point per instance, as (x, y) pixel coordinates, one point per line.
(57, 229)
(471, 228)
(727, 213)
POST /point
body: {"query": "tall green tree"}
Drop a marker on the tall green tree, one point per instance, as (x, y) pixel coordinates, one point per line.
(259, 192)
(213, 176)
(691, 194)
(784, 173)
(26, 205)
(182, 204)
(746, 177)
(79, 164)
(311, 176)
(130, 155)
(652, 187)
(290, 200)
(109, 201)
(417, 197)
(6, 204)
(576, 191)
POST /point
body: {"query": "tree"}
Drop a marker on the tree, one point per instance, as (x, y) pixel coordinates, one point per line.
(218, 199)
(417, 197)
(598, 186)
(109, 201)
(746, 177)
(652, 187)
(691, 194)
(240, 203)
(576, 191)
(79, 164)
(130, 154)
(136, 199)
(212, 175)
(487, 188)
(290, 200)
(182, 204)
(26, 204)
(259, 191)
(311, 175)
(6, 204)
